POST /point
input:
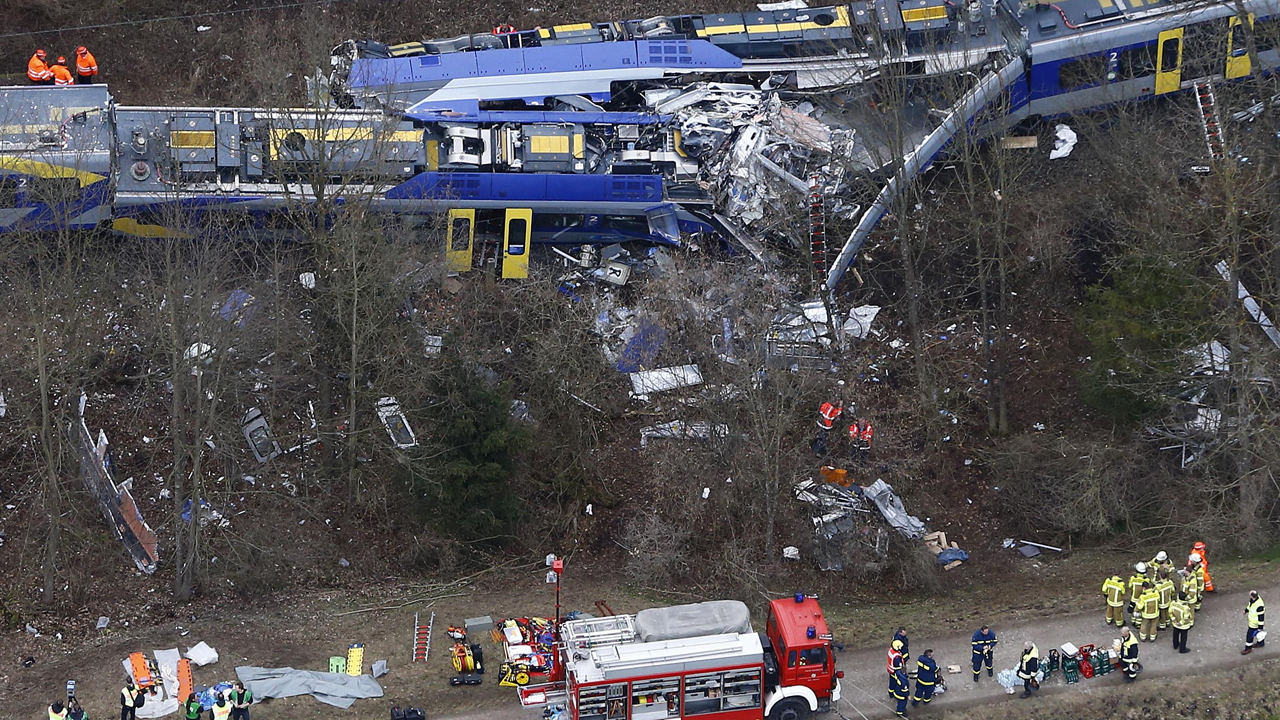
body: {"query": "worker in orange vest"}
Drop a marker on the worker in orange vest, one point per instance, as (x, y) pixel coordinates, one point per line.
(855, 437)
(828, 413)
(86, 66)
(867, 433)
(61, 75)
(1199, 549)
(38, 71)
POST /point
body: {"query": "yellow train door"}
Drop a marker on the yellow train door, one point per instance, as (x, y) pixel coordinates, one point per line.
(462, 239)
(517, 233)
(1169, 61)
(1238, 64)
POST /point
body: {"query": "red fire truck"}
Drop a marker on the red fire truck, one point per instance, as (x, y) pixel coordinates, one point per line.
(699, 661)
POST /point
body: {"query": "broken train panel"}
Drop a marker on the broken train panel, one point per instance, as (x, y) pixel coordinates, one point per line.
(117, 502)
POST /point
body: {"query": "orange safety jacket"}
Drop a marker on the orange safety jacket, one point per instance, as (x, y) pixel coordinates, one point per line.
(37, 70)
(86, 65)
(854, 432)
(894, 662)
(867, 432)
(828, 414)
(62, 76)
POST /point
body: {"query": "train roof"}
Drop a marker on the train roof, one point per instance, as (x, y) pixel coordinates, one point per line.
(1064, 18)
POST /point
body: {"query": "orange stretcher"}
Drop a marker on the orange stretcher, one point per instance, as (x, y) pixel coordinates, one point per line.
(146, 676)
(185, 685)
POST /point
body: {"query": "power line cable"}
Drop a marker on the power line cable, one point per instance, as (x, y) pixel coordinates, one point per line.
(193, 16)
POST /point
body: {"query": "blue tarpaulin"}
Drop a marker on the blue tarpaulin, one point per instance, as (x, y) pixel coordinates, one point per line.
(951, 555)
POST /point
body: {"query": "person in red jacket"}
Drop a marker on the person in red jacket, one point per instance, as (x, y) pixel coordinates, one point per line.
(86, 66)
(61, 75)
(38, 71)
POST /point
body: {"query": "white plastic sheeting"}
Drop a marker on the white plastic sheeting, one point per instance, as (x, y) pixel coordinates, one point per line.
(663, 379)
(1064, 142)
(202, 654)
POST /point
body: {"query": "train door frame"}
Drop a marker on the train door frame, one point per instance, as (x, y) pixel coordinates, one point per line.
(1169, 80)
(460, 259)
(515, 256)
(1238, 63)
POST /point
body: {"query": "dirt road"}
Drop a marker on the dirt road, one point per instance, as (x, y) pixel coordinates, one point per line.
(1215, 644)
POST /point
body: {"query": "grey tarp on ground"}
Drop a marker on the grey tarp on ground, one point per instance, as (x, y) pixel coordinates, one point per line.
(716, 617)
(337, 689)
(881, 493)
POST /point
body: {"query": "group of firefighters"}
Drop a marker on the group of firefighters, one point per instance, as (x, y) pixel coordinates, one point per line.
(860, 432)
(40, 72)
(1153, 603)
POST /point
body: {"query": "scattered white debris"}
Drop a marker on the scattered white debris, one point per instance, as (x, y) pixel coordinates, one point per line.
(589, 509)
(706, 493)
(859, 322)
(784, 5)
(664, 379)
(202, 654)
(4, 406)
(203, 28)
(1064, 143)
(103, 621)
(791, 552)
(308, 280)
(344, 562)
(1038, 427)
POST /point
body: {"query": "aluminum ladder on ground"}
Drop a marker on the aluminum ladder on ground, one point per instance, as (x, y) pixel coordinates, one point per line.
(988, 89)
(422, 637)
(817, 225)
(1210, 120)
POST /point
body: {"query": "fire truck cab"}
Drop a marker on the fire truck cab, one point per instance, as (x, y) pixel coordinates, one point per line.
(700, 661)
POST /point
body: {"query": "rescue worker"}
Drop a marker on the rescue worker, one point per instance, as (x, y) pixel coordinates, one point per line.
(74, 711)
(828, 413)
(1160, 562)
(855, 439)
(1128, 654)
(1149, 609)
(1164, 588)
(868, 433)
(926, 679)
(1182, 617)
(38, 71)
(221, 709)
(241, 699)
(62, 77)
(894, 664)
(1138, 577)
(1255, 614)
(191, 708)
(984, 649)
(899, 687)
(86, 66)
(1206, 582)
(1193, 581)
(130, 698)
(901, 636)
(1028, 666)
(57, 711)
(1113, 589)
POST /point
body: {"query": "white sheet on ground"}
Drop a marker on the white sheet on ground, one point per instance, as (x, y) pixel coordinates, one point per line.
(202, 654)
(163, 703)
(336, 689)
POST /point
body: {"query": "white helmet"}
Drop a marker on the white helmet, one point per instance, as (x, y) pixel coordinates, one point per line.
(1195, 557)
(1140, 567)
(1161, 556)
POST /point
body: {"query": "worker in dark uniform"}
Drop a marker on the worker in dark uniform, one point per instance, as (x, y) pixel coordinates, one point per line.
(130, 698)
(1129, 654)
(901, 636)
(899, 686)
(984, 649)
(1028, 666)
(926, 679)
(1183, 616)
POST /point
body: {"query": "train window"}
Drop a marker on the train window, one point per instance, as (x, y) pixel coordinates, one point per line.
(1169, 55)
(1081, 73)
(9, 191)
(460, 237)
(560, 220)
(517, 229)
(626, 223)
(1266, 34)
(1238, 46)
(1137, 62)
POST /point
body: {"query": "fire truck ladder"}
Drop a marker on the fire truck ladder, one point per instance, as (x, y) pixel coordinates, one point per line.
(817, 225)
(422, 637)
(1210, 121)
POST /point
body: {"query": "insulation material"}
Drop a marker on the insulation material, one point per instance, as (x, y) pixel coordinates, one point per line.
(1064, 142)
(664, 379)
(859, 322)
(716, 617)
(336, 689)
